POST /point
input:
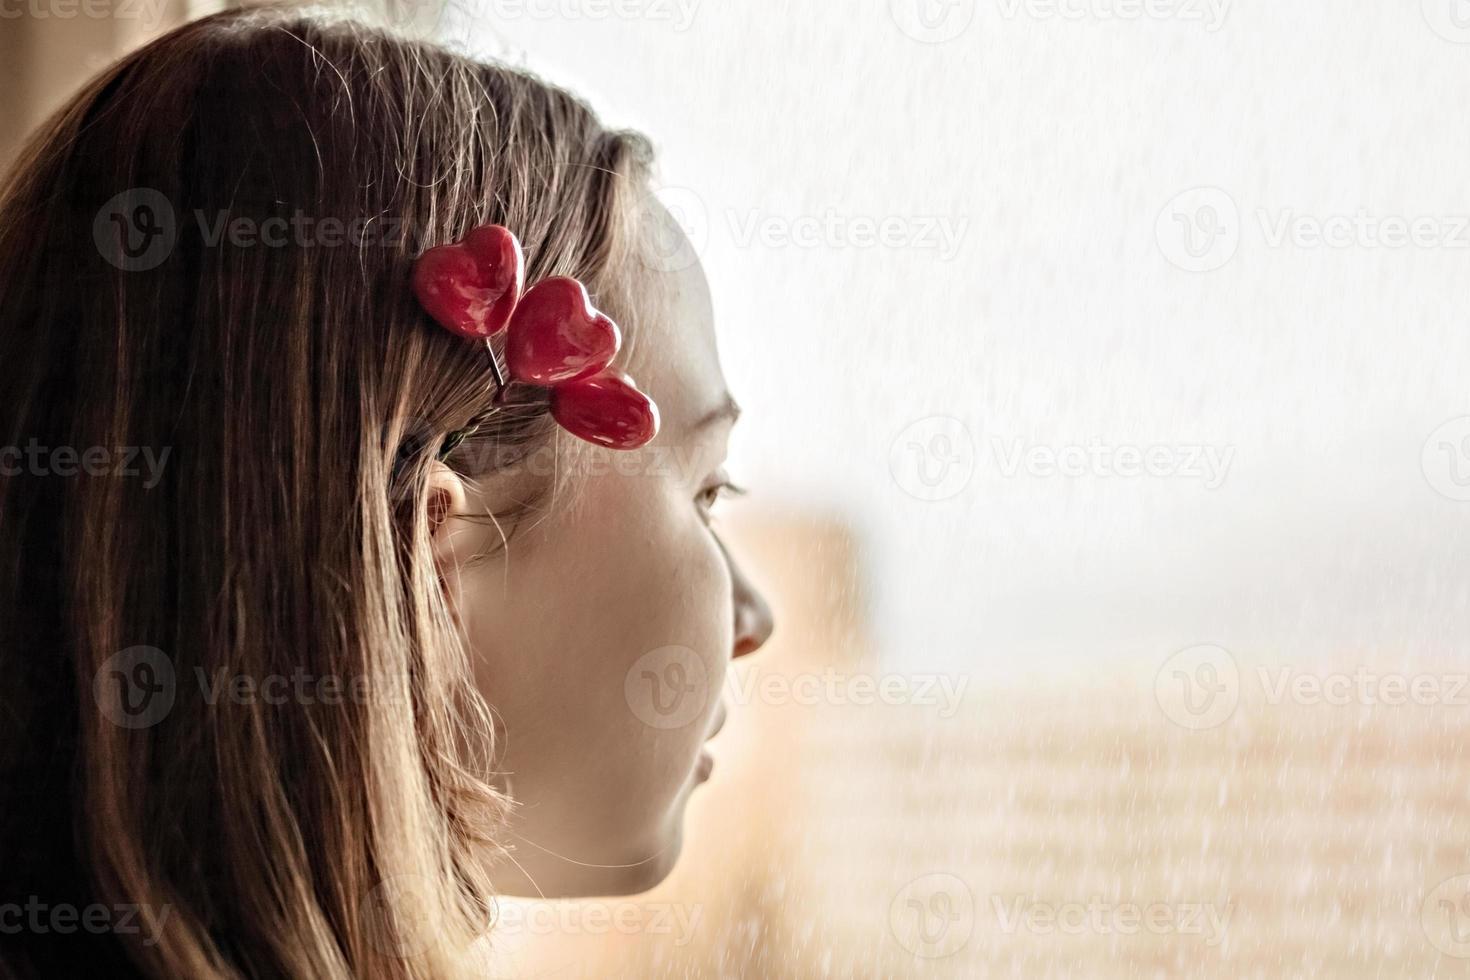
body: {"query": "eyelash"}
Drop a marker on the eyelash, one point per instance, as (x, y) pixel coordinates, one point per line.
(711, 495)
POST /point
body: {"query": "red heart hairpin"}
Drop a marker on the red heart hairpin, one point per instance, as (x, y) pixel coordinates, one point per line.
(555, 337)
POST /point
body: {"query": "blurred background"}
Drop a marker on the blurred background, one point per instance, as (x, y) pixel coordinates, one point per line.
(1108, 434)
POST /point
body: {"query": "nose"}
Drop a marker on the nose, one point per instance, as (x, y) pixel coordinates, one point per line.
(754, 622)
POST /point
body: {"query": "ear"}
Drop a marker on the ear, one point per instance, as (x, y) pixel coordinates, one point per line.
(449, 537)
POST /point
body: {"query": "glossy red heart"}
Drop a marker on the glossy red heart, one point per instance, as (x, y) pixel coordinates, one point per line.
(472, 286)
(607, 409)
(556, 336)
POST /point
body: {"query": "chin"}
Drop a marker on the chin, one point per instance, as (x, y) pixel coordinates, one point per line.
(646, 874)
(624, 873)
(639, 874)
(650, 875)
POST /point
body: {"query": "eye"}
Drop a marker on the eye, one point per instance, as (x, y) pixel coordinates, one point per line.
(711, 494)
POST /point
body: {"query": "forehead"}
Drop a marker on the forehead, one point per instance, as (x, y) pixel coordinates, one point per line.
(672, 354)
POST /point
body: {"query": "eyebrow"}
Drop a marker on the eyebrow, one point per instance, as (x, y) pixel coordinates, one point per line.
(726, 410)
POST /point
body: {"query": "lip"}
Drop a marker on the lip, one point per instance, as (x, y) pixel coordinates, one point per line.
(719, 722)
(705, 764)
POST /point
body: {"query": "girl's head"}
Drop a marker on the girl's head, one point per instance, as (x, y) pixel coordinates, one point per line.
(278, 676)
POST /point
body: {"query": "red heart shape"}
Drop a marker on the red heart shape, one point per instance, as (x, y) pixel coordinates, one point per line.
(556, 336)
(607, 409)
(472, 286)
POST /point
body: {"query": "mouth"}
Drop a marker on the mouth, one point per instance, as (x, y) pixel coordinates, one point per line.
(706, 762)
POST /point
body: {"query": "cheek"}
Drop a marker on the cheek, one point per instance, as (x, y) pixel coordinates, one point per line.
(585, 633)
(665, 587)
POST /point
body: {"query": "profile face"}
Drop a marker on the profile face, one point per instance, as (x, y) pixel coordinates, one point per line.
(602, 634)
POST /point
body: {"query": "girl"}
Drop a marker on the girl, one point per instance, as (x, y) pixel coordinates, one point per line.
(321, 622)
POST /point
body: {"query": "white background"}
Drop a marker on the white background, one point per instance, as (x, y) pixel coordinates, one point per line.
(1056, 143)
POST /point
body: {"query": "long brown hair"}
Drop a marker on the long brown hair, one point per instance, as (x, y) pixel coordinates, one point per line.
(219, 405)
